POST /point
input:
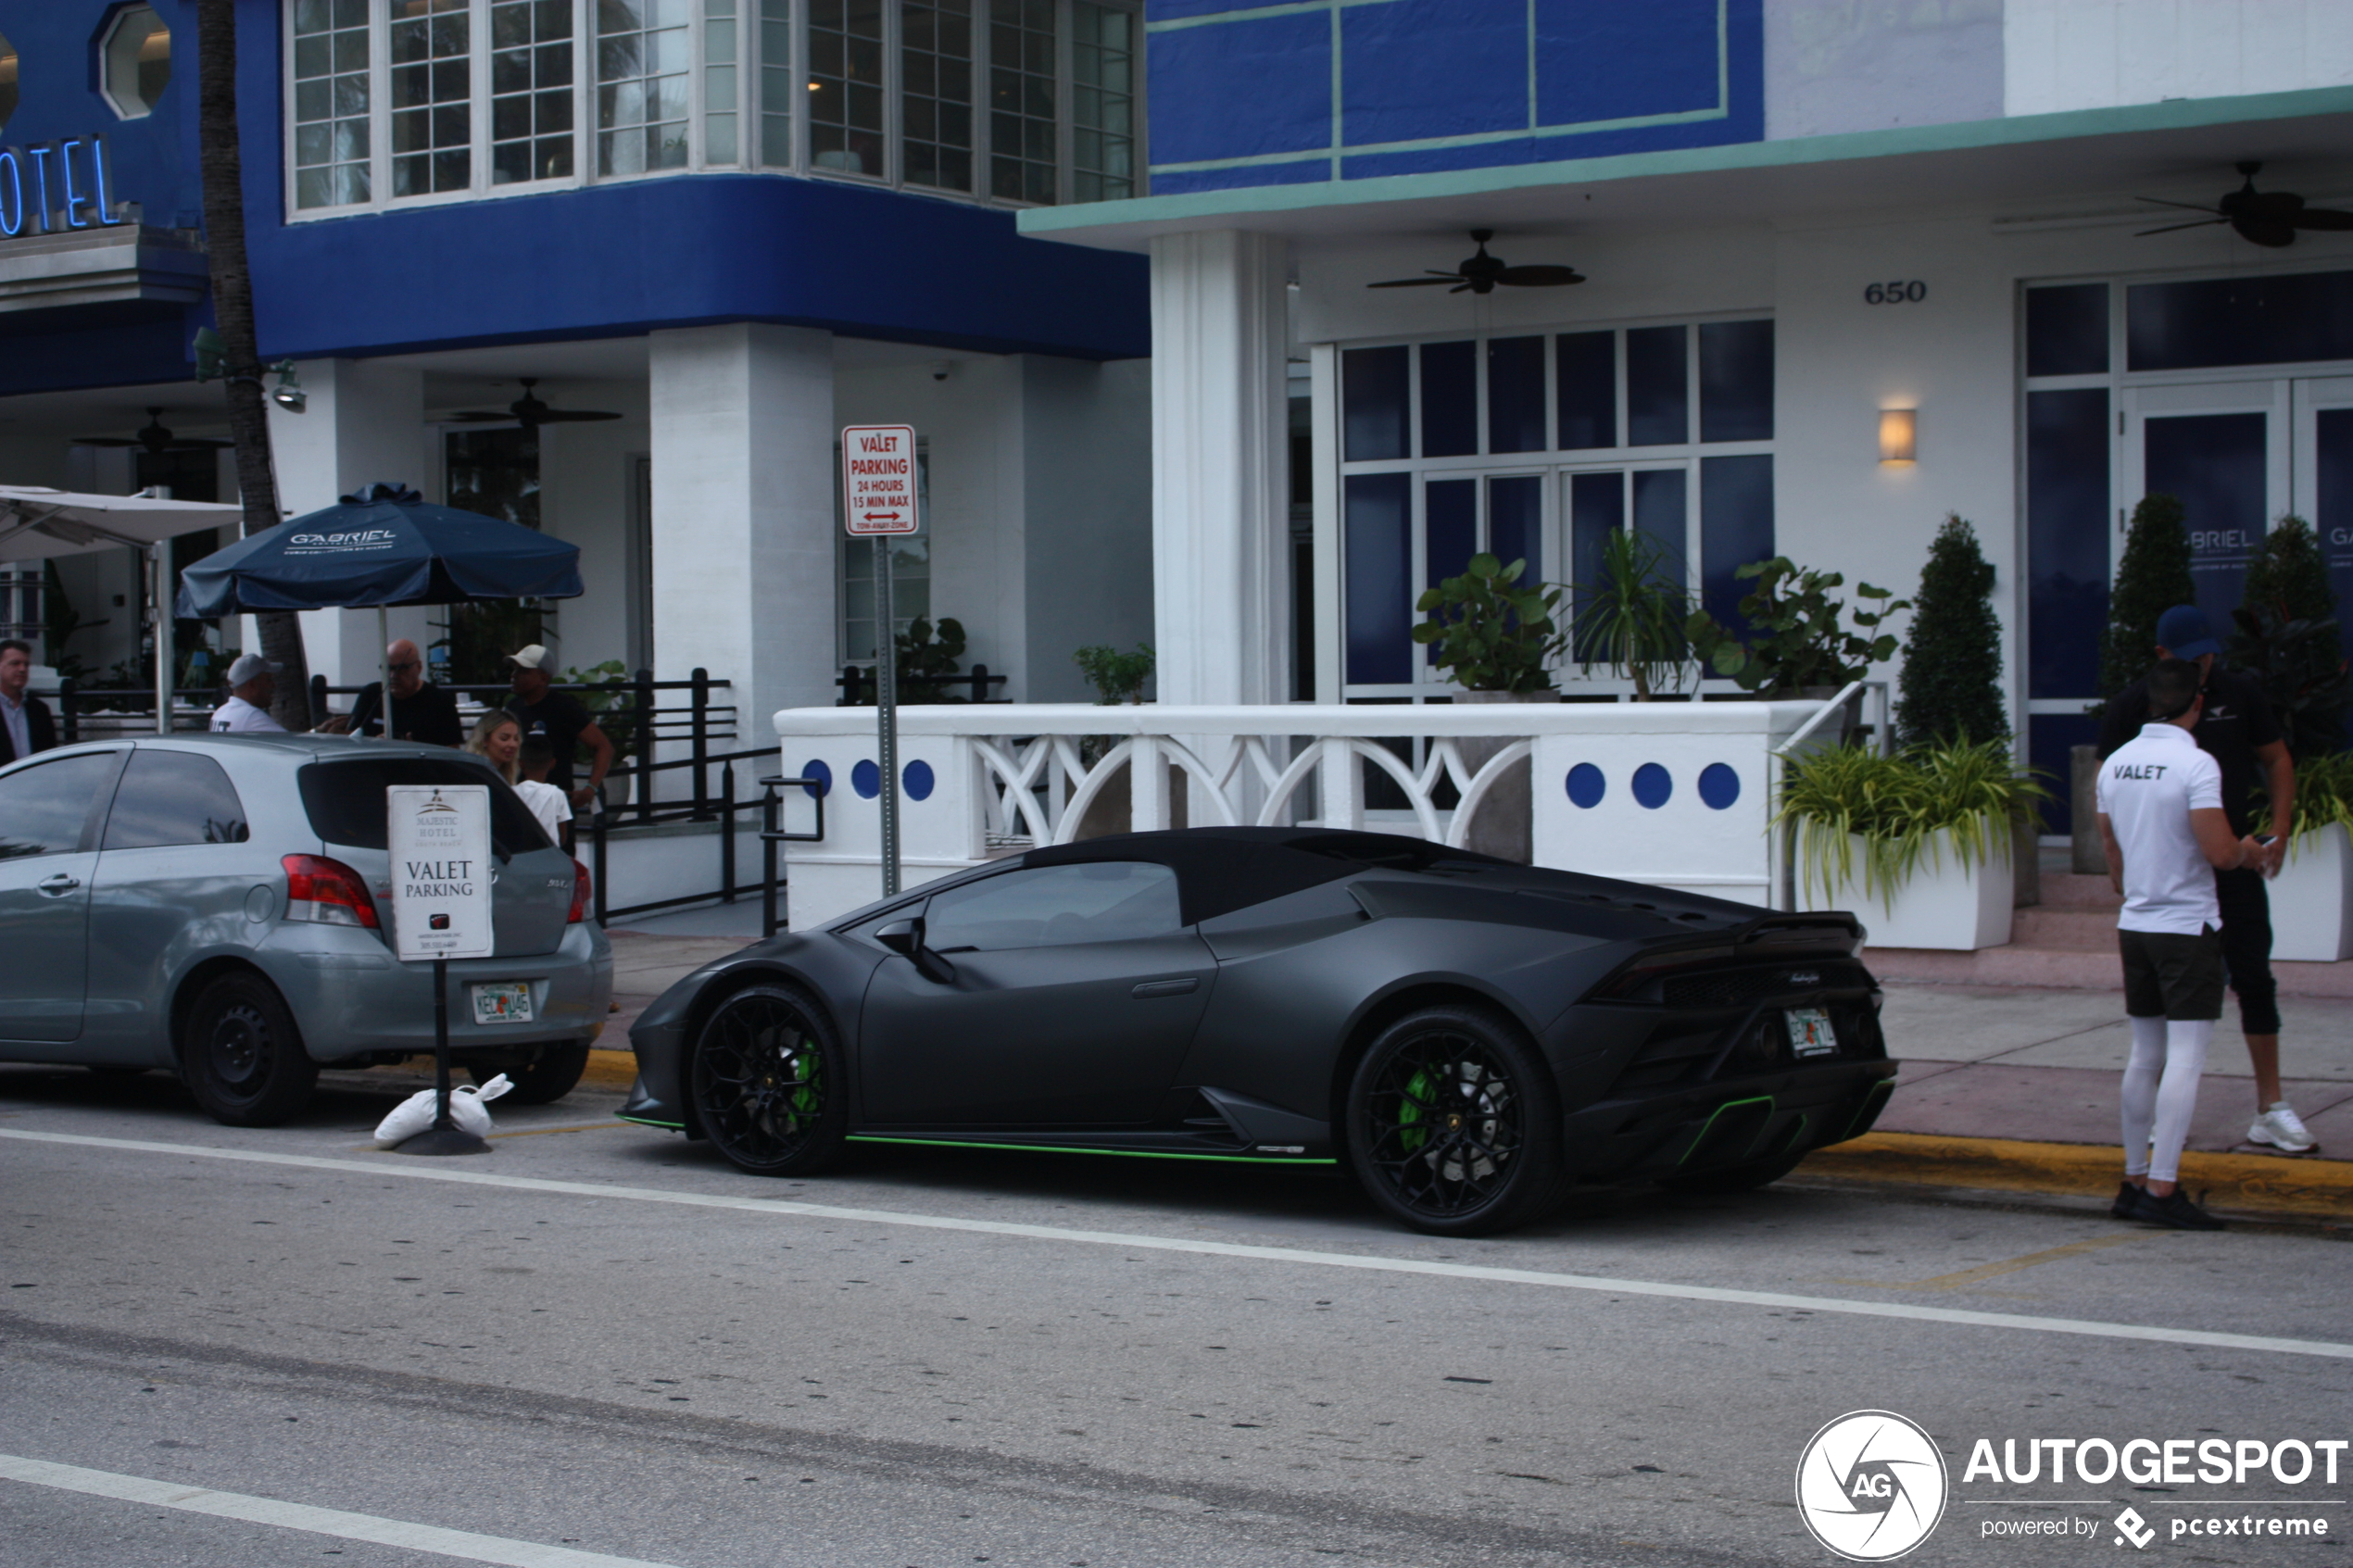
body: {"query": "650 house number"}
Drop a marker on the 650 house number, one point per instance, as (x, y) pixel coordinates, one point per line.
(1904, 293)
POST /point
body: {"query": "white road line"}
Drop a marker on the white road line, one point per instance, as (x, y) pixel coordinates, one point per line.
(436, 1171)
(333, 1521)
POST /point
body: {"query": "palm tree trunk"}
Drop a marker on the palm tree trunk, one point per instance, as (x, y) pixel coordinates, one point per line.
(224, 222)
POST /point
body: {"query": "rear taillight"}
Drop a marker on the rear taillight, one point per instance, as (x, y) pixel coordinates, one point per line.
(327, 891)
(579, 891)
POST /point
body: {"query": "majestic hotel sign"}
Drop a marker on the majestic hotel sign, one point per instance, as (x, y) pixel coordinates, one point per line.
(49, 187)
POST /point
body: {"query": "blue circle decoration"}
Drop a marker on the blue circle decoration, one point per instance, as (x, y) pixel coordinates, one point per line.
(1586, 785)
(866, 779)
(1652, 785)
(918, 779)
(1719, 785)
(823, 777)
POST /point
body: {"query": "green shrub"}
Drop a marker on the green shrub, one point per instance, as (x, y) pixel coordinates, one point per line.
(2323, 797)
(2152, 578)
(1896, 806)
(2286, 635)
(1116, 677)
(1491, 634)
(1795, 641)
(1633, 618)
(1951, 687)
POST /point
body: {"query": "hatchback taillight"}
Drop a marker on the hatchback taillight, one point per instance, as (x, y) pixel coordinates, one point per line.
(327, 891)
(579, 891)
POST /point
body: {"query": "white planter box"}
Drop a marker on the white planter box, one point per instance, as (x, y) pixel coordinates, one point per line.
(2313, 899)
(1946, 904)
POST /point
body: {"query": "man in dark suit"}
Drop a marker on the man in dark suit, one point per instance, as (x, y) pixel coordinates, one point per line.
(25, 724)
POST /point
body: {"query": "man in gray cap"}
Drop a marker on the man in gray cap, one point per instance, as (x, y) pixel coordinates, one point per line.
(252, 684)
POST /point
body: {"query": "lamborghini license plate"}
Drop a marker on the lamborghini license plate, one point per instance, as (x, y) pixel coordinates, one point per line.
(502, 1002)
(1810, 1033)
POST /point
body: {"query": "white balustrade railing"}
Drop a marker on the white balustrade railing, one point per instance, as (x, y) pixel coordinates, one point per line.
(1675, 794)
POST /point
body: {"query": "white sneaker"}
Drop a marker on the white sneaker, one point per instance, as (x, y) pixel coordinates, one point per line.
(2282, 1129)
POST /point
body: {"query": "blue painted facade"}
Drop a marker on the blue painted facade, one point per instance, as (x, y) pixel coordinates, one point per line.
(1339, 90)
(616, 258)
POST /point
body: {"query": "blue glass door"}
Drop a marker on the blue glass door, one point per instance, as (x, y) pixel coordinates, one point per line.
(2324, 480)
(2222, 451)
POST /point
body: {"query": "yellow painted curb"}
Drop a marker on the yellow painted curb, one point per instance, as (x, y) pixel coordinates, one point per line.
(611, 1070)
(2252, 1184)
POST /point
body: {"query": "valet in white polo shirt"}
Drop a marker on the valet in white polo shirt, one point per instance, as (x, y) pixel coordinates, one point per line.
(2161, 817)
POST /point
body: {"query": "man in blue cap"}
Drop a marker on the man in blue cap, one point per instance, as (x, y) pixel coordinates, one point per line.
(2236, 729)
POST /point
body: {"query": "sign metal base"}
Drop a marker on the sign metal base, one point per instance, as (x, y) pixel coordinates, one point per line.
(445, 1136)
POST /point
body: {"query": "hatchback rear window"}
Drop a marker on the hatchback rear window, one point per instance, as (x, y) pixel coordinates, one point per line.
(346, 800)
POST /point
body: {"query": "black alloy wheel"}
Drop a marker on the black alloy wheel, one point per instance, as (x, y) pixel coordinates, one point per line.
(242, 1055)
(1454, 1123)
(767, 1083)
(1744, 1177)
(547, 1076)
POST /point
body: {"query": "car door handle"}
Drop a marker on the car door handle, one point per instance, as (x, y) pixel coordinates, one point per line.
(1168, 988)
(54, 885)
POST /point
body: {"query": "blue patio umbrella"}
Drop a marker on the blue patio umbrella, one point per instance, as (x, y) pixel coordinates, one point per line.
(384, 546)
(387, 545)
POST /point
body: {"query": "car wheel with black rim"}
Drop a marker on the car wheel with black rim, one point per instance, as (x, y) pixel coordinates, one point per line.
(554, 1072)
(1454, 1123)
(242, 1055)
(767, 1083)
(1747, 1177)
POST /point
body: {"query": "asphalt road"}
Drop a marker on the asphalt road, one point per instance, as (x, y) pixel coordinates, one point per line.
(260, 1347)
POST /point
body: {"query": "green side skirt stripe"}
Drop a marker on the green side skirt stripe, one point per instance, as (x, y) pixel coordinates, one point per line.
(1073, 1148)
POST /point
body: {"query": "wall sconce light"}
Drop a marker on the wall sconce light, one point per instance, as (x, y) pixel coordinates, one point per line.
(1898, 436)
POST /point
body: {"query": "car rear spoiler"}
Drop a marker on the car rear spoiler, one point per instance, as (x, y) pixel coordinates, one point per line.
(1766, 937)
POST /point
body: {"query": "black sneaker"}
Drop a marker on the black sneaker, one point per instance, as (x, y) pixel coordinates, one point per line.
(2128, 1197)
(2175, 1211)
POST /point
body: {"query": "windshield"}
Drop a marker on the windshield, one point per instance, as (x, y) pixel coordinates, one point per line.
(346, 800)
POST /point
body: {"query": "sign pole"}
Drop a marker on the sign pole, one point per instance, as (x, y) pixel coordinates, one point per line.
(439, 837)
(881, 501)
(886, 714)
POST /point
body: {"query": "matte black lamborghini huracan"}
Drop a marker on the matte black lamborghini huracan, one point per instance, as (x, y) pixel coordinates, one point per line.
(1468, 1035)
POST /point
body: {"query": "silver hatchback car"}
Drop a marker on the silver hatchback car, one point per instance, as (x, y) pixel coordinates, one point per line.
(221, 904)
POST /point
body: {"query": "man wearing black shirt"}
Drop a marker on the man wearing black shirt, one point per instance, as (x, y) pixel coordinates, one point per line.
(564, 720)
(2239, 732)
(421, 710)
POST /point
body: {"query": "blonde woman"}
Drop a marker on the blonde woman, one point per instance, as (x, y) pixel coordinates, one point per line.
(499, 738)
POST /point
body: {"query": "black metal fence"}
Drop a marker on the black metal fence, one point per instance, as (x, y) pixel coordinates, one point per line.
(857, 683)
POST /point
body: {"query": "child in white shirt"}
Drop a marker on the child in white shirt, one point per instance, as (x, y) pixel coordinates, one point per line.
(546, 802)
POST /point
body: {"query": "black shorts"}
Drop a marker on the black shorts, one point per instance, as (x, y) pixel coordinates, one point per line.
(2171, 976)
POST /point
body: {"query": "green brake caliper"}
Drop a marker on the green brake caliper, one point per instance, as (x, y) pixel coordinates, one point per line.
(1410, 1111)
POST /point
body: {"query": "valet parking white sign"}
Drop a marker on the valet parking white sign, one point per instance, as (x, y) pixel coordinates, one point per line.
(440, 842)
(878, 480)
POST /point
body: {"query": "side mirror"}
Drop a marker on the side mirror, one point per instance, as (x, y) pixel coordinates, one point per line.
(905, 937)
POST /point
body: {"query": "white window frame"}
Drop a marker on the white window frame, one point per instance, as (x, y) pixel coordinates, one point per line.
(750, 110)
(1554, 463)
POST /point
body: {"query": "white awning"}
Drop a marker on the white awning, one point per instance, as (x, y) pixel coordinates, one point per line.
(36, 523)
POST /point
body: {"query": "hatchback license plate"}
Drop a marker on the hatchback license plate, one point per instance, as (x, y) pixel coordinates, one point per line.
(1810, 1033)
(503, 1001)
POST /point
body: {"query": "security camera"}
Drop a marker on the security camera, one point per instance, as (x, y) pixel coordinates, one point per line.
(941, 370)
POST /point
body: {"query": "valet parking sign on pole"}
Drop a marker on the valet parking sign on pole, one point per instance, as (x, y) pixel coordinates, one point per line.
(440, 836)
(878, 497)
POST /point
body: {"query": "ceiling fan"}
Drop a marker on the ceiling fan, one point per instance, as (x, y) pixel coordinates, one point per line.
(154, 438)
(2267, 218)
(1480, 273)
(531, 412)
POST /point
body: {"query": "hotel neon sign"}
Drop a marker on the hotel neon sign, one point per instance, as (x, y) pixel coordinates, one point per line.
(29, 174)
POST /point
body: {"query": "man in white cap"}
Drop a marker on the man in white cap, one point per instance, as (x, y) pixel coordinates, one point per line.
(563, 719)
(252, 684)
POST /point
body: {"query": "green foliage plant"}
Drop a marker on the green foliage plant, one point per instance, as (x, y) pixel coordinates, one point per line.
(2153, 576)
(1116, 677)
(1631, 619)
(2286, 635)
(1490, 634)
(1796, 638)
(616, 699)
(926, 650)
(1895, 809)
(1951, 686)
(2323, 798)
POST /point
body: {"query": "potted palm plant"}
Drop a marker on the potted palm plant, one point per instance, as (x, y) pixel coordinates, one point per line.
(1498, 640)
(1920, 844)
(1631, 618)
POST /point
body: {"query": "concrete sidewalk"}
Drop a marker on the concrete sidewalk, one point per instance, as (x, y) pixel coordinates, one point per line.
(2002, 1088)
